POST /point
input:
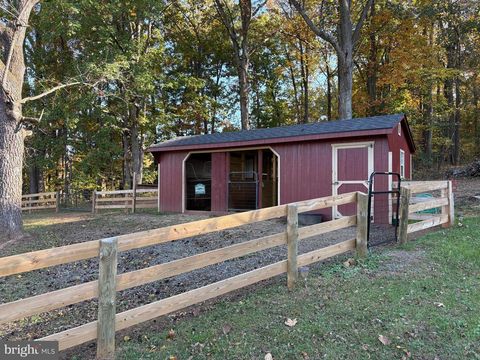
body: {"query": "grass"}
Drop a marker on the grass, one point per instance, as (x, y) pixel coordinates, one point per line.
(424, 298)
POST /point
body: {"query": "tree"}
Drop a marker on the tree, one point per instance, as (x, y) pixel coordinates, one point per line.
(239, 36)
(344, 41)
(12, 132)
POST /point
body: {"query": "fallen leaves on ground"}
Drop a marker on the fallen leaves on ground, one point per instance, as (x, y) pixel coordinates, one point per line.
(171, 334)
(226, 329)
(384, 340)
(268, 356)
(438, 304)
(350, 262)
(291, 323)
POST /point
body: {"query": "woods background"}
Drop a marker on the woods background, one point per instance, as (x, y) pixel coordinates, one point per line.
(149, 70)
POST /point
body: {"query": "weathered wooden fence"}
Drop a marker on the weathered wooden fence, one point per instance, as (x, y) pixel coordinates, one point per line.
(109, 282)
(416, 208)
(129, 200)
(39, 201)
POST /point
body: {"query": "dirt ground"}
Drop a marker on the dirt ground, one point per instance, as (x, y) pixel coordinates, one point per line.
(48, 230)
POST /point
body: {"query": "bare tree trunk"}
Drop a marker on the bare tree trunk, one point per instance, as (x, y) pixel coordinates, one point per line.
(127, 173)
(12, 134)
(305, 74)
(137, 151)
(242, 69)
(344, 43)
(294, 86)
(345, 86)
(329, 93)
(456, 126)
(372, 68)
(11, 162)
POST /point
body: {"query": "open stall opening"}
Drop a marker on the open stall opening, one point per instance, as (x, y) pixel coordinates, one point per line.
(198, 169)
(252, 180)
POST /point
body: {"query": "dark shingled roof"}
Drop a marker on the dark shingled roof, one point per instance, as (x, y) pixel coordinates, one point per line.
(318, 128)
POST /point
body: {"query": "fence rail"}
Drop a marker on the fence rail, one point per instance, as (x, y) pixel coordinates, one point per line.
(109, 282)
(125, 199)
(419, 208)
(40, 201)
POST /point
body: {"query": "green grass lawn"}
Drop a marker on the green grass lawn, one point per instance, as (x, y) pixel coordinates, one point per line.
(423, 298)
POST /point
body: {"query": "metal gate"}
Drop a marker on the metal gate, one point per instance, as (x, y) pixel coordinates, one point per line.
(384, 204)
(243, 191)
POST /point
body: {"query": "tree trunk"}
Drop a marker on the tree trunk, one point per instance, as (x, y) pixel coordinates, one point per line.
(135, 138)
(329, 93)
(34, 178)
(11, 127)
(127, 177)
(242, 69)
(345, 61)
(11, 162)
(304, 73)
(372, 69)
(345, 85)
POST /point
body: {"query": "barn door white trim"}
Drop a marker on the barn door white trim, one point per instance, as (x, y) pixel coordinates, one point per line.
(335, 183)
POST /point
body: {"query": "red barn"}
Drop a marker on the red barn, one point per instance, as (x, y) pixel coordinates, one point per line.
(244, 170)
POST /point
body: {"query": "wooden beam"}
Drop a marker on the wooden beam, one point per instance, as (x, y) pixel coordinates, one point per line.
(94, 198)
(88, 332)
(39, 207)
(405, 194)
(451, 205)
(134, 193)
(429, 204)
(326, 227)
(74, 294)
(362, 225)
(424, 186)
(292, 244)
(326, 202)
(326, 252)
(425, 224)
(34, 260)
(51, 194)
(57, 203)
(106, 299)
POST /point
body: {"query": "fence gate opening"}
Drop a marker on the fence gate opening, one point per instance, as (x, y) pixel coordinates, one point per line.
(383, 206)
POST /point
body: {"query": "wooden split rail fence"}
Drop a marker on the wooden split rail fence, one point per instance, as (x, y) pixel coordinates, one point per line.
(125, 199)
(109, 282)
(411, 205)
(39, 201)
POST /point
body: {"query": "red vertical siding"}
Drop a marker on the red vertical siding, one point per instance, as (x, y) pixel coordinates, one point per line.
(219, 181)
(171, 180)
(396, 143)
(306, 168)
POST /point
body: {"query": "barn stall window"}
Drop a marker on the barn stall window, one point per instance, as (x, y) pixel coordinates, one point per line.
(402, 164)
(198, 182)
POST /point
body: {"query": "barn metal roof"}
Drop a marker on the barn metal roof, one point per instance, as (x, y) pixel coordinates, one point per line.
(318, 128)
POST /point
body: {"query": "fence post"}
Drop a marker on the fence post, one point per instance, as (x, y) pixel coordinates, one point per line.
(57, 205)
(107, 273)
(451, 204)
(449, 208)
(362, 224)
(134, 193)
(94, 200)
(405, 194)
(292, 243)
